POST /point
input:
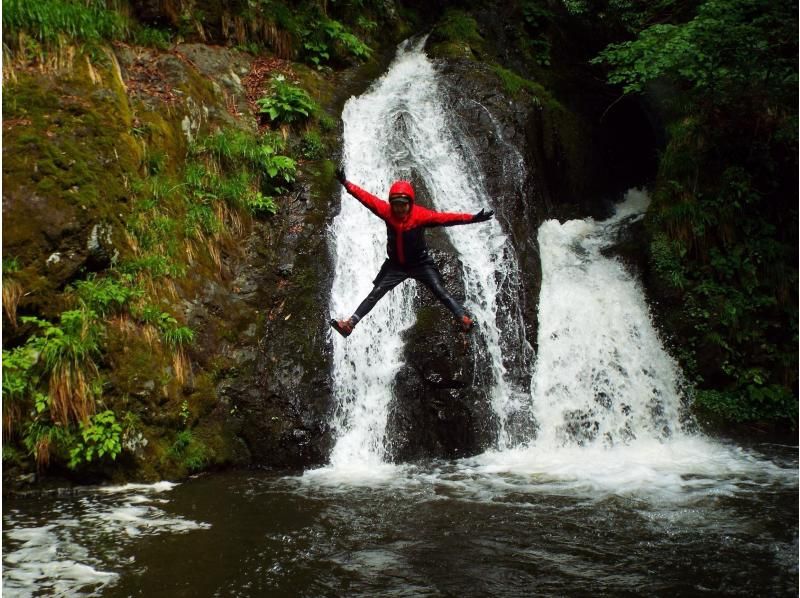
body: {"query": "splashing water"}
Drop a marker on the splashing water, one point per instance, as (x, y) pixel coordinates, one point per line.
(608, 399)
(601, 374)
(365, 364)
(490, 269)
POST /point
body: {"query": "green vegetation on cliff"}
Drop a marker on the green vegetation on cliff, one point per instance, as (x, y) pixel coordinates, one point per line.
(165, 178)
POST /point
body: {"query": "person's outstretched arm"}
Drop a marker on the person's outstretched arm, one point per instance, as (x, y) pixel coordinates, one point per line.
(432, 218)
(374, 204)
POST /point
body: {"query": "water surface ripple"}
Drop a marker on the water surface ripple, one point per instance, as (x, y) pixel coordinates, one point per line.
(445, 528)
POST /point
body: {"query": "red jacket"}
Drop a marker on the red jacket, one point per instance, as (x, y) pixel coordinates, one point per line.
(405, 237)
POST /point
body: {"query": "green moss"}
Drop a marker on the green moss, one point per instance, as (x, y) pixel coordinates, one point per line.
(514, 84)
(187, 452)
(72, 136)
(457, 25)
(135, 365)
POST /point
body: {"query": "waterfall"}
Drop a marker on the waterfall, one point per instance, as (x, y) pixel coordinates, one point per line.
(365, 363)
(396, 129)
(603, 413)
(602, 374)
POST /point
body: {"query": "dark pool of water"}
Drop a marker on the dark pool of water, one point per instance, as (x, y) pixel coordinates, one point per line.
(421, 532)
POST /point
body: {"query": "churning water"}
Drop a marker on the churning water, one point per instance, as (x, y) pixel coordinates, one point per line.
(605, 493)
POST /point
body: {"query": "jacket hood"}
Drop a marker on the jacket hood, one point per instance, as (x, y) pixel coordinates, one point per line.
(401, 188)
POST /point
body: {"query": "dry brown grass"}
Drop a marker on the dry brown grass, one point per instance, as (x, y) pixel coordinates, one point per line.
(255, 29)
(122, 322)
(57, 60)
(181, 365)
(70, 392)
(150, 335)
(216, 256)
(12, 293)
(12, 415)
(41, 452)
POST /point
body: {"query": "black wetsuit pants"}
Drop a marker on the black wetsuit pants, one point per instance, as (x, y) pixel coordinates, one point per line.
(391, 275)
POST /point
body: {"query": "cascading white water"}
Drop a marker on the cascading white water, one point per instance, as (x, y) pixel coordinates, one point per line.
(365, 363)
(397, 128)
(602, 374)
(607, 397)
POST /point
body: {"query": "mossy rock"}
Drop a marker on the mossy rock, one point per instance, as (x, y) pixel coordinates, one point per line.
(70, 162)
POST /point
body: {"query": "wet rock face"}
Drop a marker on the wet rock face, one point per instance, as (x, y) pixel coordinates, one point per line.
(441, 407)
(283, 398)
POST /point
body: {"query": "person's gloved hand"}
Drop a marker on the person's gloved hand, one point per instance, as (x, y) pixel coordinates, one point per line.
(340, 175)
(482, 216)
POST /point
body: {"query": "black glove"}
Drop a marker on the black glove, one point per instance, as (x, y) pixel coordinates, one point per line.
(340, 175)
(482, 216)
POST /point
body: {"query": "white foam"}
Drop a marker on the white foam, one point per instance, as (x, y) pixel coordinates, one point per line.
(61, 555)
(157, 487)
(602, 375)
(356, 475)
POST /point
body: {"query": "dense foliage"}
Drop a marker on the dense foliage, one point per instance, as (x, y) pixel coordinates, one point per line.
(724, 219)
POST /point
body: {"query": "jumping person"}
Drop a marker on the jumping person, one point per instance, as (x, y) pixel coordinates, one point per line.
(406, 248)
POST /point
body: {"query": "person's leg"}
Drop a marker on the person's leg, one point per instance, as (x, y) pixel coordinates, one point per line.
(428, 274)
(388, 278)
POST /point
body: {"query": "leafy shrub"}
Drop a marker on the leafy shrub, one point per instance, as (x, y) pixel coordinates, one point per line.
(366, 24)
(752, 403)
(339, 34)
(106, 295)
(261, 205)
(279, 167)
(177, 336)
(312, 146)
(42, 440)
(98, 438)
(286, 103)
(173, 334)
(324, 37)
(327, 123)
(154, 38)
(200, 220)
(66, 354)
(241, 153)
(189, 451)
(729, 49)
(10, 265)
(458, 26)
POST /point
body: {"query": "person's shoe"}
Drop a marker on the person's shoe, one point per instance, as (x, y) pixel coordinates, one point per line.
(343, 327)
(467, 323)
